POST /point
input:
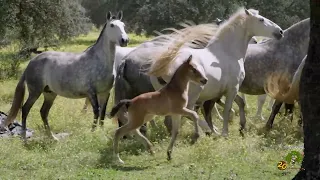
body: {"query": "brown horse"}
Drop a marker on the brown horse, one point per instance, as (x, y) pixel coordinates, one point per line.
(172, 99)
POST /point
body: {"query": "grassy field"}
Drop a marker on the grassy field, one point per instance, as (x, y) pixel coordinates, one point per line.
(87, 155)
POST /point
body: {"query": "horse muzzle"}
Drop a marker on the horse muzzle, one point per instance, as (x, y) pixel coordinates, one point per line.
(278, 35)
(124, 42)
(204, 81)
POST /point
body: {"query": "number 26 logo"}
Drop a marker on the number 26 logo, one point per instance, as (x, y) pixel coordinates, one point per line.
(282, 165)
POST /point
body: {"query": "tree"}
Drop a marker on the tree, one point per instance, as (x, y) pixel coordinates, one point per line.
(34, 23)
(310, 100)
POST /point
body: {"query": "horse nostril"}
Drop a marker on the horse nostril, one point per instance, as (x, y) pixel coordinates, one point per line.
(281, 32)
(204, 81)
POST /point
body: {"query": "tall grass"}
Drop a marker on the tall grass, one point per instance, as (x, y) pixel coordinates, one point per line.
(87, 155)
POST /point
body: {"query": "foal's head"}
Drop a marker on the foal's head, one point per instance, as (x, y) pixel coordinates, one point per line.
(115, 29)
(195, 72)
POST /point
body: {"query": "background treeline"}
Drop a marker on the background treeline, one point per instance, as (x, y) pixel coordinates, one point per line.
(40, 23)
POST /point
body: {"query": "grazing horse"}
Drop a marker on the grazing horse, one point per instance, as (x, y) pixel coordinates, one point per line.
(222, 61)
(72, 75)
(170, 100)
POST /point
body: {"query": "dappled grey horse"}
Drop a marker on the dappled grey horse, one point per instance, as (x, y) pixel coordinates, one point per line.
(72, 75)
(272, 56)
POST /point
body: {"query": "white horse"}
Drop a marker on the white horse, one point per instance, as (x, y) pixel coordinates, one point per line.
(221, 60)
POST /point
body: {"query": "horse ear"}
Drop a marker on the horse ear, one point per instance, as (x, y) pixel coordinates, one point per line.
(109, 15)
(189, 59)
(248, 12)
(120, 15)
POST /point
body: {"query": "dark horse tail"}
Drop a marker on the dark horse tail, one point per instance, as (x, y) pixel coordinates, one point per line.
(17, 101)
(116, 108)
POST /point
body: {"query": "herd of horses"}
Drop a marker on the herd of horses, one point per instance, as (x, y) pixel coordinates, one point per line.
(173, 75)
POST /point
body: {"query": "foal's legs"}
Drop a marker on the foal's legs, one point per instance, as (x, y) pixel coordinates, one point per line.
(275, 109)
(261, 100)
(44, 111)
(176, 120)
(33, 96)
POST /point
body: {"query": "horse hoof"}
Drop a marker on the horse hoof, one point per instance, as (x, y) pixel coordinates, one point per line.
(224, 134)
(208, 133)
(169, 156)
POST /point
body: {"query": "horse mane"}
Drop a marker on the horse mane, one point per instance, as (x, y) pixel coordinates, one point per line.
(203, 33)
(192, 36)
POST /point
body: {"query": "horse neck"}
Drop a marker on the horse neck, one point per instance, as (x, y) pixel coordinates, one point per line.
(233, 40)
(104, 49)
(180, 81)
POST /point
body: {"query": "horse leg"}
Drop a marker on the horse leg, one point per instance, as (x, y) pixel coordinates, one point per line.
(275, 109)
(289, 110)
(49, 98)
(226, 112)
(85, 106)
(207, 109)
(241, 103)
(243, 96)
(261, 100)
(103, 102)
(134, 122)
(222, 104)
(168, 123)
(270, 104)
(216, 112)
(33, 96)
(195, 118)
(95, 107)
(143, 138)
(176, 120)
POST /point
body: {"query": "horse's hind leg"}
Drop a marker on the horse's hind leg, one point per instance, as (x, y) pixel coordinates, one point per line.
(275, 109)
(103, 102)
(95, 107)
(207, 108)
(289, 111)
(144, 140)
(85, 106)
(44, 111)
(261, 100)
(134, 122)
(241, 103)
(33, 96)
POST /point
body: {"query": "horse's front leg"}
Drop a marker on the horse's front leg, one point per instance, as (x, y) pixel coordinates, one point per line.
(227, 108)
(95, 107)
(176, 120)
(207, 109)
(241, 103)
(85, 106)
(195, 118)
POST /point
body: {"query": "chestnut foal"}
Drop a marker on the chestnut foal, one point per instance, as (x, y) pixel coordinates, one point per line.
(172, 99)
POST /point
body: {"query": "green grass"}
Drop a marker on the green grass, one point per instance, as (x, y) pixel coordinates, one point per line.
(87, 155)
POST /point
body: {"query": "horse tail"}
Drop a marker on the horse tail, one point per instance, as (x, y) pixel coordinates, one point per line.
(280, 88)
(192, 36)
(116, 108)
(17, 101)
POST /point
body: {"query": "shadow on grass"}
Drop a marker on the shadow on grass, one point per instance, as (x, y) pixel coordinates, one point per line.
(131, 147)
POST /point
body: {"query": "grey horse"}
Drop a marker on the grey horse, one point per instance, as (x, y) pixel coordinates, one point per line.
(72, 75)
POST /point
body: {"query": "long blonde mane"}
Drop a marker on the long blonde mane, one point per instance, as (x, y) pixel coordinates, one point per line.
(200, 34)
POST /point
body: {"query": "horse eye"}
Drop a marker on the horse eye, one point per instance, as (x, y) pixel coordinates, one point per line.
(111, 25)
(261, 19)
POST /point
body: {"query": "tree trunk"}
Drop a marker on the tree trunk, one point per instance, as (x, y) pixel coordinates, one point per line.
(310, 100)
